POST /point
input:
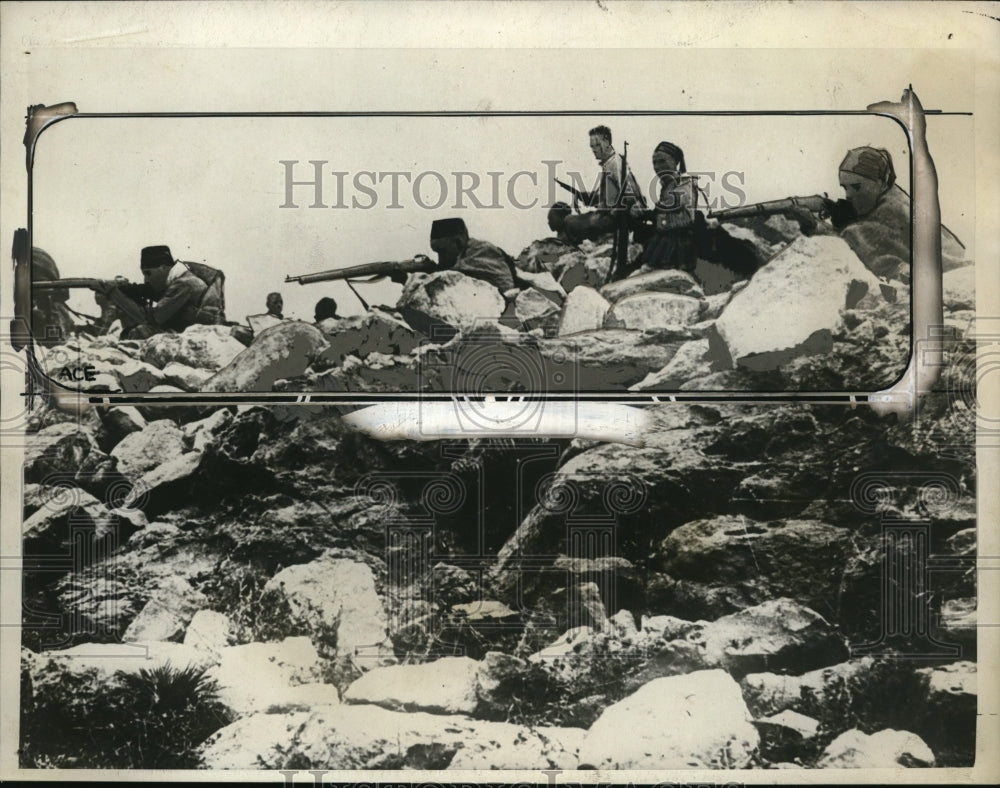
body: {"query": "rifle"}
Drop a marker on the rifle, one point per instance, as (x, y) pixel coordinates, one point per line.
(584, 197)
(619, 257)
(374, 270)
(131, 299)
(818, 204)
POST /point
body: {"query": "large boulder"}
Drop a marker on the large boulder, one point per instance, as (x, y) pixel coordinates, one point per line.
(445, 686)
(156, 490)
(944, 711)
(610, 359)
(370, 737)
(689, 363)
(583, 310)
(121, 421)
(653, 310)
(67, 515)
(137, 376)
(185, 377)
(172, 606)
(810, 282)
(666, 280)
(533, 309)
(729, 562)
(776, 635)
(788, 735)
(653, 488)
(375, 331)
(257, 677)
(450, 300)
(335, 600)
(887, 749)
(541, 255)
(577, 269)
(282, 351)
(254, 742)
(109, 658)
(813, 693)
(680, 722)
(140, 452)
(209, 631)
(208, 347)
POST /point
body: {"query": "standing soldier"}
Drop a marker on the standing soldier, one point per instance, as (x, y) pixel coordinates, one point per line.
(671, 244)
(610, 195)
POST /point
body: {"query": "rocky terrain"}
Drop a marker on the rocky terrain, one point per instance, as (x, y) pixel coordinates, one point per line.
(347, 603)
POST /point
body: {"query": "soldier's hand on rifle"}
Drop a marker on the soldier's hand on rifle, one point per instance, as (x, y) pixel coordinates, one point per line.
(805, 218)
(102, 286)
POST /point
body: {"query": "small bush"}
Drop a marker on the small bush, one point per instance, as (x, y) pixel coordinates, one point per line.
(153, 719)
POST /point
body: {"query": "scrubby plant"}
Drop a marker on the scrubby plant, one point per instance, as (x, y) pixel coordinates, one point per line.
(153, 719)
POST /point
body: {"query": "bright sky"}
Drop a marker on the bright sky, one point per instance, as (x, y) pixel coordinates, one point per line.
(212, 189)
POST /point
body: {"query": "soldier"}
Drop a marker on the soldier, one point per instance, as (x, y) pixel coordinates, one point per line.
(608, 197)
(671, 242)
(875, 217)
(326, 316)
(470, 256)
(50, 318)
(180, 298)
(257, 323)
(275, 303)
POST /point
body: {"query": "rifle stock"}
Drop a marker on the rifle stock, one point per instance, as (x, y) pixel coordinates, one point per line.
(416, 264)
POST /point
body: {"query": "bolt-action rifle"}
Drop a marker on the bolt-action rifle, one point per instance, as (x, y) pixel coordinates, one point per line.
(374, 270)
(130, 298)
(816, 203)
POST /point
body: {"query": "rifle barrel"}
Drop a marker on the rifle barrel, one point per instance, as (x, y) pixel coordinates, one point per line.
(54, 284)
(365, 269)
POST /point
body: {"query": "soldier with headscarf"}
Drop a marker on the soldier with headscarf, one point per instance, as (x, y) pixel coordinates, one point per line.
(874, 218)
(671, 242)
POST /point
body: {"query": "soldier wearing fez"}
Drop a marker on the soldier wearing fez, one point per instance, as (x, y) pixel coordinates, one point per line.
(178, 297)
(470, 256)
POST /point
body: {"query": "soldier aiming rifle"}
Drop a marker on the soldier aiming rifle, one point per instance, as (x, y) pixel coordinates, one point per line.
(874, 217)
(173, 295)
(455, 249)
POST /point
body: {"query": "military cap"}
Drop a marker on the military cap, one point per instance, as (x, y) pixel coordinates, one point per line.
(155, 256)
(445, 228)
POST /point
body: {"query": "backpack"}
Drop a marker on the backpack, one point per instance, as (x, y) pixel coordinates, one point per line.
(216, 285)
